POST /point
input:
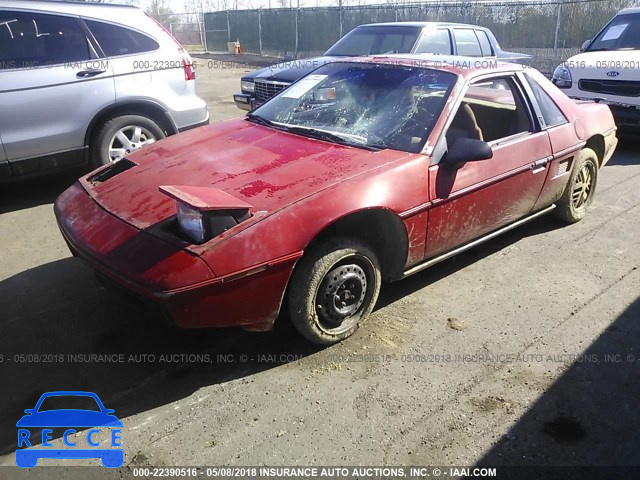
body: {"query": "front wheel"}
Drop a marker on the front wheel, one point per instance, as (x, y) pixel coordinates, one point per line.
(121, 135)
(581, 187)
(334, 289)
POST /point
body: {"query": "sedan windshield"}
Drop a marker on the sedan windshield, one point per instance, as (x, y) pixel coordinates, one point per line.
(372, 106)
(375, 40)
(622, 33)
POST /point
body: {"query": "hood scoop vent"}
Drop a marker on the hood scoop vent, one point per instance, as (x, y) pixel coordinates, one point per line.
(111, 171)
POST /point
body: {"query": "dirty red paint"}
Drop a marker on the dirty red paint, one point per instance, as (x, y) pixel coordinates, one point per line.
(296, 188)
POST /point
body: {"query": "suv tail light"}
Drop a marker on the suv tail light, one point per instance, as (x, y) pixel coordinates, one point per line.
(187, 64)
(189, 71)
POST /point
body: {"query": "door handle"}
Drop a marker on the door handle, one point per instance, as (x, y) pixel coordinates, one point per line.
(539, 165)
(89, 73)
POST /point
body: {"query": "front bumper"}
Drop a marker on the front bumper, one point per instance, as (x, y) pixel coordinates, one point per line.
(178, 282)
(244, 101)
(627, 118)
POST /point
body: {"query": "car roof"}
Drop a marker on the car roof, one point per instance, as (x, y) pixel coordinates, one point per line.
(62, 6)
(127, 15)
(420, 24)
(626, 11)
(463, 66)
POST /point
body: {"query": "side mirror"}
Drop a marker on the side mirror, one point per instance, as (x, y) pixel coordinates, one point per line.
(467, 150)
(584, 46)
(29, 411)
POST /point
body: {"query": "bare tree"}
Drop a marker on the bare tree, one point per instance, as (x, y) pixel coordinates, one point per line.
(159, 9)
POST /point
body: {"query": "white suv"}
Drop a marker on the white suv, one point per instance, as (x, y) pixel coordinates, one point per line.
(87, 82)
(608, 69)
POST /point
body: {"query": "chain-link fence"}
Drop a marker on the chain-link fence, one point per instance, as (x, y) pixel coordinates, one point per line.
(550, 30)
(187, 28)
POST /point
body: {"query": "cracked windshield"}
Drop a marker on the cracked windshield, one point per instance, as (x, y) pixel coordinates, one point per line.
(366, 105)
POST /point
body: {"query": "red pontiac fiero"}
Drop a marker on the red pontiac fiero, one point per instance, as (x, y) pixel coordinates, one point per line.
(365, 170)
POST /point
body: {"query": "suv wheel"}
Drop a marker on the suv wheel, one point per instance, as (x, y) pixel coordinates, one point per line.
(121, 135)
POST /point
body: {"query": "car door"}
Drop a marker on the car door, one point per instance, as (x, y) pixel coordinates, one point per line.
(52, 82)
(482, 196)
(140, 66)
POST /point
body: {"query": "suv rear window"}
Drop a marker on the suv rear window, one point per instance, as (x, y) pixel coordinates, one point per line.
(116, 40)
(29, 40)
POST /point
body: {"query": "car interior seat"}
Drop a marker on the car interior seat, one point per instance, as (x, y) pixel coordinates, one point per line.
(464, 125)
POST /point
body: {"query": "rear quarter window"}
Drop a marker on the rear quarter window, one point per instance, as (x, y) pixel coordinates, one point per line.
(485, 45)
(467, 42)
(551, 113)
(115, 40)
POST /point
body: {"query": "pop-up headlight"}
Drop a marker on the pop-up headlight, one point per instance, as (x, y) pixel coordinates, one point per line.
(205, 212)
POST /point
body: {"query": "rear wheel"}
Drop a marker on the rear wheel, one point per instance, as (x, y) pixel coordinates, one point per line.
(334, 289)
(122, 135)
(579, 192)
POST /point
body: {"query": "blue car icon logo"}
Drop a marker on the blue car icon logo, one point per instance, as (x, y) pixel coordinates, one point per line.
(67, 418)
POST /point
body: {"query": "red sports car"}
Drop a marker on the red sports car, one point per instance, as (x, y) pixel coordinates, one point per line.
(366, 170)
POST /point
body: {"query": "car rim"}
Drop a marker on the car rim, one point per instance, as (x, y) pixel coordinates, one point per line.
(583, 186)
(128, 139)
(342, 294)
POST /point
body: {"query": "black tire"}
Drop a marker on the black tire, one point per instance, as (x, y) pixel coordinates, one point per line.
(580, 189)
(355, 272)
(106, 133)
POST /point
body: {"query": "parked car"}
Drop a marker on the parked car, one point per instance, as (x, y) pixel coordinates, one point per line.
(365, 170)
(87, 82)
(608, 69)
(378, 39)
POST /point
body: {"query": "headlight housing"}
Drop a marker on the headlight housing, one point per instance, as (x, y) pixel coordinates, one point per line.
(247, 86)
(191, 222)
(201, 226)
(561, 77)
(205, 212)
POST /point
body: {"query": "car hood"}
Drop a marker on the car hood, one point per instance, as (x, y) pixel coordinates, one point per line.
(597, 65)
(290, 70)
(266, 168)
(513, 56)
(69, 418)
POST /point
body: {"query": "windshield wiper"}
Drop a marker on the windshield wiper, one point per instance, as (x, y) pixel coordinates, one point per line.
(333, 137)
(260, 120)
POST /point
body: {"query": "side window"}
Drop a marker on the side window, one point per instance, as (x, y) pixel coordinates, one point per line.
(485, 45)
(435, 41)
(116, 40)
(29, 40)
(551, 114)
(490, 110)
(467, 42)
(396, 43)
